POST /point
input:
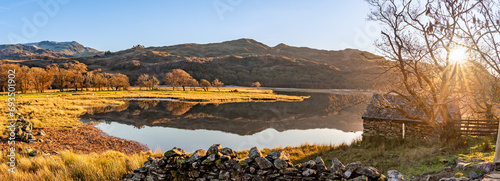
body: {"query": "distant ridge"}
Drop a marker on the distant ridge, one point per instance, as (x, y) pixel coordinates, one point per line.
(72, 48)
(243, 61)
(236, 62)
(27, 52)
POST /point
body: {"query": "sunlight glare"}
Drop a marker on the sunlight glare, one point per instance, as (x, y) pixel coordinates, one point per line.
(458, 55)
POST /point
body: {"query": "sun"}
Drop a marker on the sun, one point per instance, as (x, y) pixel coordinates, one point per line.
(458, 55)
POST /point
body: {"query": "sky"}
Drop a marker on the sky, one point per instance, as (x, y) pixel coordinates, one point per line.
(117, 25)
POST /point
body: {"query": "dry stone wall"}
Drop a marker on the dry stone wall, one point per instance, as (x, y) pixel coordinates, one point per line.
(219, 163)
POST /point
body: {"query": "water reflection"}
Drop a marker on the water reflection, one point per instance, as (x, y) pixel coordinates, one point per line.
(183, 124)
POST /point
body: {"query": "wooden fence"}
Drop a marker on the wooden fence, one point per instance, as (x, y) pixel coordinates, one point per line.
(477, 127)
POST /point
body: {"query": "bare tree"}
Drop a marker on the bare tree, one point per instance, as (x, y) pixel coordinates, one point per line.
(148, 81)
(42, 78)
(61, 77)
(88, 80)
(205, 84)
(99, 80)
(217, 83)
(256, 84)
(420, 37)
(76, 74)
(178, 77)
(194, 83)
(24, 79)
(120, 81)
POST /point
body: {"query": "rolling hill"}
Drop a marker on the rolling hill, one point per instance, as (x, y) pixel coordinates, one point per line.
(237, 62)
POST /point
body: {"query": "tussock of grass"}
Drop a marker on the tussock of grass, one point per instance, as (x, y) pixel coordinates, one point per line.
(110, 165)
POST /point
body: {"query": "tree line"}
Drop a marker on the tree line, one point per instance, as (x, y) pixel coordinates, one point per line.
(65, 76)
(76, 76)
(177, 78)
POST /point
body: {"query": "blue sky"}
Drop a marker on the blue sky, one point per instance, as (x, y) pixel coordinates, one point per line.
(116, 25)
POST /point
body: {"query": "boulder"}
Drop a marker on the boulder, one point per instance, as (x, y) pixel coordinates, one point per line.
(225, 157)
(308, 172)
(231, 163)
(263, 163)
(254, 153)
(228, 152)
(214, 157)
(280, 164)
(370, 172)
(278, 155)
(246, 161)
(197, 155)
(394, 175)
(214, 149)
(309, 164)
(320, 164)
(351, 168)
(174, 152)
(337, 166)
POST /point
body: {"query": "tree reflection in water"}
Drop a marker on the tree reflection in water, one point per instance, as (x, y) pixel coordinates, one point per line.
(244, 118)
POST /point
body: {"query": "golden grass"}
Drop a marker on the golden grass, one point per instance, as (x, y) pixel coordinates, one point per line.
(110, 165)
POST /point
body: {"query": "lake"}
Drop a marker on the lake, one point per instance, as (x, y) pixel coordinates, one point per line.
(167, 123)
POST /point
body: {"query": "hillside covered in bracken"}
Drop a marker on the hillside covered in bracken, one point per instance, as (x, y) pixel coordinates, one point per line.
(240, 62)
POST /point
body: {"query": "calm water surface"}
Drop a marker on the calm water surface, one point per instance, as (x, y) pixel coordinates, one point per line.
(163, 124)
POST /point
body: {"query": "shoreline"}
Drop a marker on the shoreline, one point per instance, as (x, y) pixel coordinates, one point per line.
(82, 139)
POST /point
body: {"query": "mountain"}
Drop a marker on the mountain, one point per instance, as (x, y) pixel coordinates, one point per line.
(243, 61)
(26, 52)
(237, 62)
(72, 48)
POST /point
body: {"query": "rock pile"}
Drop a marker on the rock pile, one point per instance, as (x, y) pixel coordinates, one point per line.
(219, 163)
(24, 131)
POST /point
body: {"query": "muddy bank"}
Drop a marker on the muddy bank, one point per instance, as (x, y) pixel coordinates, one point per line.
(83, 139)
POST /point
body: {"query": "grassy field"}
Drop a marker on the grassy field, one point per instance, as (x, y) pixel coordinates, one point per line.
(61, 109)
